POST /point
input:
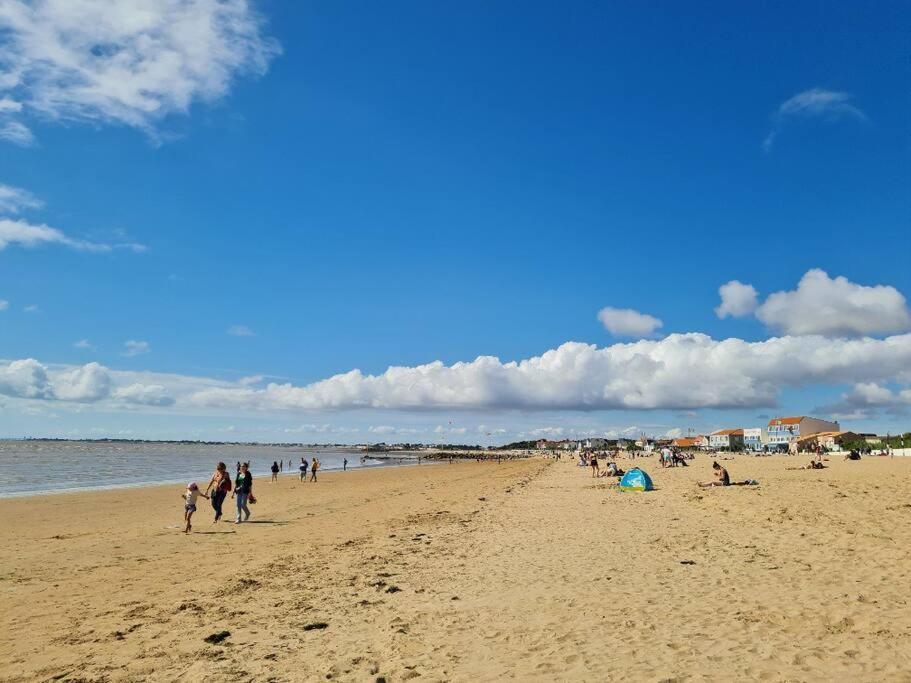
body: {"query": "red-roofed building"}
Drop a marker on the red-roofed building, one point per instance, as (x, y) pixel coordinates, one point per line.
(788, 430)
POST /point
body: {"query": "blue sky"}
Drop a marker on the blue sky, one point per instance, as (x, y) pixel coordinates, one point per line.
(361, 186)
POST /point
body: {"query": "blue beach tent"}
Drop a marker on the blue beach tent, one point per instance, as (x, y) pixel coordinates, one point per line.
(636, 480)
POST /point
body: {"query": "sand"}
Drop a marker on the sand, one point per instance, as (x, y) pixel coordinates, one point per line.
(528, 570)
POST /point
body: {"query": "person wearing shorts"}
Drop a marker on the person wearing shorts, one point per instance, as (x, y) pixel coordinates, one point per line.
(189, 507)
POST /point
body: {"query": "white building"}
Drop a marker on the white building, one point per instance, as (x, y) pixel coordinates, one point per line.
(784, 431)
(752, 439)
(726, 440)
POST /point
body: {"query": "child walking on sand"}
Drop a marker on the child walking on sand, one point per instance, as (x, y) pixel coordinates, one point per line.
(190, 507)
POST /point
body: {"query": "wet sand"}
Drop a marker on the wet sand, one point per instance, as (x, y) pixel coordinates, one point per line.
(529, 570)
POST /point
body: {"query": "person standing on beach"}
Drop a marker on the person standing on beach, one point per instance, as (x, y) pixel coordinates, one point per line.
(220, 485)
(596, 470)
(303, 468)
(274, 471)
(345, 465)
(314, 466)
(243, 487)
(190, 505)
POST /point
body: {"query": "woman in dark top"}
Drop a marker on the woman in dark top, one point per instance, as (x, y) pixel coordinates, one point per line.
(243, 487)
(220, 485)
(275, 471)
(722, 478)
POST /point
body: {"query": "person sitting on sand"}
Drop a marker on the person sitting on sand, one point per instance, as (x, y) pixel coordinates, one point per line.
(612, 470)
(853, 455)
(722, 478)
(190, 507)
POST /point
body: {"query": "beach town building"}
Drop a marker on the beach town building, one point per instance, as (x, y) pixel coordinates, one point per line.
(831, 441)
(726, 440)
(752, 439)
(784, 431)
(689, 442)
(596, 444)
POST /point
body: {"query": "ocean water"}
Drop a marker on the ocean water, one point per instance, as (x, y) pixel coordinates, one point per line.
(33, 467)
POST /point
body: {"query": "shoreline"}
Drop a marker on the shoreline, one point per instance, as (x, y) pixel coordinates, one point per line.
(20, 495)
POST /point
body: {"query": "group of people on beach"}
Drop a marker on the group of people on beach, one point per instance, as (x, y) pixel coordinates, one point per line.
(220, 485)
(241, 489)
(302, 468)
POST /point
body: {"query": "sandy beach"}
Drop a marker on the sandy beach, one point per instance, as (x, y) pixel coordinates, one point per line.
(530, 570)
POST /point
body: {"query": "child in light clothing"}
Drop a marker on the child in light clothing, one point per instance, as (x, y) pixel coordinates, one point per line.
(190, 496)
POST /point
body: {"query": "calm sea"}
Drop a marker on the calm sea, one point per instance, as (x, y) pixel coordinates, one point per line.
(31, 467)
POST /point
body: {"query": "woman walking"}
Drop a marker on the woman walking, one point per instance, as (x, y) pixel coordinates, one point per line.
(220, 485)
(243, 488)
(314, 466)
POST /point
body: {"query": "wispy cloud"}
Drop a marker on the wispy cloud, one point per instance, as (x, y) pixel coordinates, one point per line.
(828, 105)
(135, 347)
(32, 308)
(241, 331)
(84, 344)
(21, 232)
(14, 199)
(131, 62)
(4, 304)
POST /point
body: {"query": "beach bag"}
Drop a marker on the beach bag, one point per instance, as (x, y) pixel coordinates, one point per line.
(252, 499)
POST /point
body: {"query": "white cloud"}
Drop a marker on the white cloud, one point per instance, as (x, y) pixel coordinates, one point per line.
(240, 331)
(737, 299)
(144, 394)
(87, 383)
(836, 307)
(382, 429)
(682, 371)
(547, 432)
(27, 234)
(84, 344)
(865, 398)
(135, 347)
(131, 62)
(674, 433)
(819, 103)
(17, 133)
(32, 308)
(25, 378)
(9, 106)
(625, 322)
(4, 304)
(324, 428)
(14, 199)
